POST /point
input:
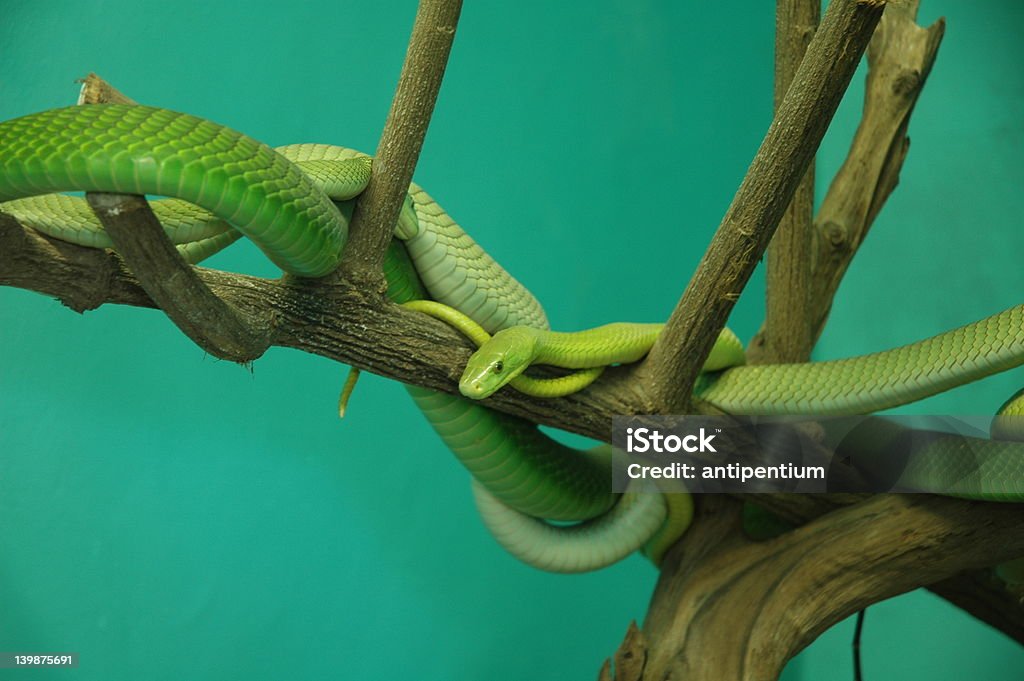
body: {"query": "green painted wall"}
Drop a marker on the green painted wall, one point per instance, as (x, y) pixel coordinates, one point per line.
(169, 516)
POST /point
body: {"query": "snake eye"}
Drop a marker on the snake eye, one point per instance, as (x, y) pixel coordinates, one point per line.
(498, 367)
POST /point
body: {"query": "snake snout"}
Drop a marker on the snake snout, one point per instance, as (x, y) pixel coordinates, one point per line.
(472, 389)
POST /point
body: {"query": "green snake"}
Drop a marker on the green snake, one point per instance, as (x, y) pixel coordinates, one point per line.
(294, 202)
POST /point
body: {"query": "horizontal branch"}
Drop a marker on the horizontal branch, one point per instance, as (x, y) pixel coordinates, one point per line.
(341, 321)
(345, 324)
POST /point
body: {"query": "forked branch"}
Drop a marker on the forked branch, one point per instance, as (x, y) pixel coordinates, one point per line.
(900, 58)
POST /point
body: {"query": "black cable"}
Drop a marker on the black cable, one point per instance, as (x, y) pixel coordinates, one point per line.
(856, 646)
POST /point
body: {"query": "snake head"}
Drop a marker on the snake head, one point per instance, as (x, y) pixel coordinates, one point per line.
(498, 361)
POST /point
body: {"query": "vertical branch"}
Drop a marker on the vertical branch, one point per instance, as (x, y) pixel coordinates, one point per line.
(787, 332)
(900, 58)
(782, 160)
(399, 148)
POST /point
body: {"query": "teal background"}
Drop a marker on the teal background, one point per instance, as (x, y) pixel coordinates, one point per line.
(168, 515)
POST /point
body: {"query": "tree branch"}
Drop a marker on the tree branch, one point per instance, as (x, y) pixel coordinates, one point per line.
(899, 60)
(794, 587)
(978, 592)
(213, 324)
(347, 323)
(141, 241)
(343, 322)
(95, 90)
(675, 361)
(377, 208)
(787, 335)
(900, 56)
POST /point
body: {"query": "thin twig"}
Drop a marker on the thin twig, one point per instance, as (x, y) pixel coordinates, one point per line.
(787, 332)
(399, 148)
(748, 225)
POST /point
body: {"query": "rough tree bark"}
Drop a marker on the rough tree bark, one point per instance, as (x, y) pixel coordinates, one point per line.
(750, 626)
(724, 608)
(786, 336)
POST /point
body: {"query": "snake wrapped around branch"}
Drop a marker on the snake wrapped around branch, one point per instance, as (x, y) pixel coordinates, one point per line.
(294, 203)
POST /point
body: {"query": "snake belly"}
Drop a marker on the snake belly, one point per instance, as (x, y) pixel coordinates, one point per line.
(228, 185)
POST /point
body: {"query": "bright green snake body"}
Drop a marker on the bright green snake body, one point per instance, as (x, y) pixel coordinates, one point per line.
(284, 202)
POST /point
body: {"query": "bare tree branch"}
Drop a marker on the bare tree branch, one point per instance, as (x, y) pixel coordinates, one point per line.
(900, 58)
(899, 47)
(675, 361)
(95, 90)
(792, 588)
(787, 336)
(978, 592)
(140, 240)
(399, 148)
(349, 322)
(343, 322)
(209, 321)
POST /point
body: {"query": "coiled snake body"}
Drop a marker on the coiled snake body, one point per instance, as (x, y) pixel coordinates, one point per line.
(227, 185)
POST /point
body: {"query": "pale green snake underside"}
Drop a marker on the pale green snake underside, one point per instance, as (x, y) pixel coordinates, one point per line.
(284, 201)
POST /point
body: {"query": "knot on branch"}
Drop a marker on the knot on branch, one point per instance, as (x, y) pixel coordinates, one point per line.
(907, 82)
(836, 236)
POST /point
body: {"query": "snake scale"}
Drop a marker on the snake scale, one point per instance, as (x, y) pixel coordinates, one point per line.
(293, 203)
